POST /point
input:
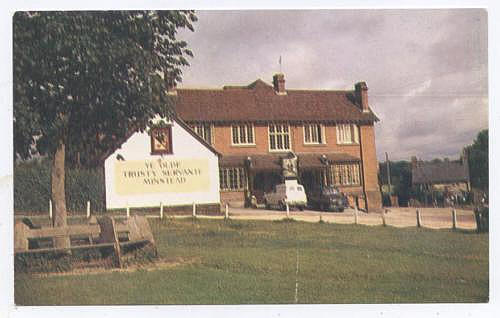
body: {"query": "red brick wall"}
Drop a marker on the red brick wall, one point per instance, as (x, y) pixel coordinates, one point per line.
(330, 144)
(353, 192)
(370, 168)
(232, 198)
(223, 141)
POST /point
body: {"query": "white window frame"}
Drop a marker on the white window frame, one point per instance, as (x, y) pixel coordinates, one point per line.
(232, 179)
(200, 129)
(347, 134)
(242, 141)
(277, 135)
(321, 135)
(346, 174)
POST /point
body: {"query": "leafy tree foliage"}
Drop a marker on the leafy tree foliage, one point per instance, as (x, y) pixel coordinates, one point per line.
(400, 179)
(477, 154)
(84, 80)
(88, 77)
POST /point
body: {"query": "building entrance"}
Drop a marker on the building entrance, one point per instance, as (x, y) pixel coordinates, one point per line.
(264, 182)
(311, 179)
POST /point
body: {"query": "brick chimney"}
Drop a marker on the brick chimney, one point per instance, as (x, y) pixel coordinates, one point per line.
(279, 83)
(361, 91)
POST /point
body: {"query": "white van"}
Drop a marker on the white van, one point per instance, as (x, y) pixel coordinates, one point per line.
(289, 192)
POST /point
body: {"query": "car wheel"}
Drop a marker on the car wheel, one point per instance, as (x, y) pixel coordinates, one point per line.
(341, 209)
(301, 208)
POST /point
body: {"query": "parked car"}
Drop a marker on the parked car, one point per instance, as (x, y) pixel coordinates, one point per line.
(327, 198)
(290, 193)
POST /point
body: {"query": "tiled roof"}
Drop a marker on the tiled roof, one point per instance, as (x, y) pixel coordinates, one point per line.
(232, 160)
(259, 162)
(273, 161)
(313, 160)
(440, 172)
(259, 102)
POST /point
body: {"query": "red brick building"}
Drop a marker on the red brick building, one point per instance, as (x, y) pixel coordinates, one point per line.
(256, 127)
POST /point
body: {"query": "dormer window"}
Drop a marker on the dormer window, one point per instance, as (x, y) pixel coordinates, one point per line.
(161, 141)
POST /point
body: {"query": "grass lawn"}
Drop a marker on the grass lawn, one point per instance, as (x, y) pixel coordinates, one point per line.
(255, 262)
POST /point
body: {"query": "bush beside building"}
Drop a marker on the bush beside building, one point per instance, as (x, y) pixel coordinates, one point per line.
(32, 187)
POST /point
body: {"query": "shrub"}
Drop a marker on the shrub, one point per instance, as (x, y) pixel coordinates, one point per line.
(85, 185)
(32, 187)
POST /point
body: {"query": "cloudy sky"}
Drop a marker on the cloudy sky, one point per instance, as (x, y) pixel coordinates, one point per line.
(426, 70)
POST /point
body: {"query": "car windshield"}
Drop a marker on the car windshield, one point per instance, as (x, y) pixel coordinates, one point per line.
(291, 188)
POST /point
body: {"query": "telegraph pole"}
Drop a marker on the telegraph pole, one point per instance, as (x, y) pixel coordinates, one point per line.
(388, 172)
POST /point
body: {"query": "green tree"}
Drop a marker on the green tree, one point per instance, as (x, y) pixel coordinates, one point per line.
(477, 154)
(400, 179)
(84, 80)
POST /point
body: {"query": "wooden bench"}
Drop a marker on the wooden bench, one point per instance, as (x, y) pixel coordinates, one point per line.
(103, 232)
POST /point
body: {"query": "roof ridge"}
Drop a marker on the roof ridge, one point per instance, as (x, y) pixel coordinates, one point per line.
(259, 80)
(254, 83)
(318, 90)
(199, 89)
(226, 87)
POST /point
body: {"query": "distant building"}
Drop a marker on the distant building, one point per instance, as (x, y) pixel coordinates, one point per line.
(266, 133)
(449, 178)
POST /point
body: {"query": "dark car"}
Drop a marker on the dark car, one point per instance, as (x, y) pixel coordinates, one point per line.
(327, 198)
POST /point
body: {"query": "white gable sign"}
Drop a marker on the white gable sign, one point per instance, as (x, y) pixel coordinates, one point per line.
(180, 170)
(179, 175)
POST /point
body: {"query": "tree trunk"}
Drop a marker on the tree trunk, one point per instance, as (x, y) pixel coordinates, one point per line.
(58, 194)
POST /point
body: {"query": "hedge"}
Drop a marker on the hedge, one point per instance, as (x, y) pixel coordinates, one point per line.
(32, 187)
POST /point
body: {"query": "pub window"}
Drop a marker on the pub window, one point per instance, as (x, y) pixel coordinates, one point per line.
(204, 131)
(346, 174)
(279, 137)
(242, 134)
(161, 140)
(313, 134)
(347, 134)
(232, 179)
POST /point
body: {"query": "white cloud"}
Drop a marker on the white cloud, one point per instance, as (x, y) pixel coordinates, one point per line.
(419, 90)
